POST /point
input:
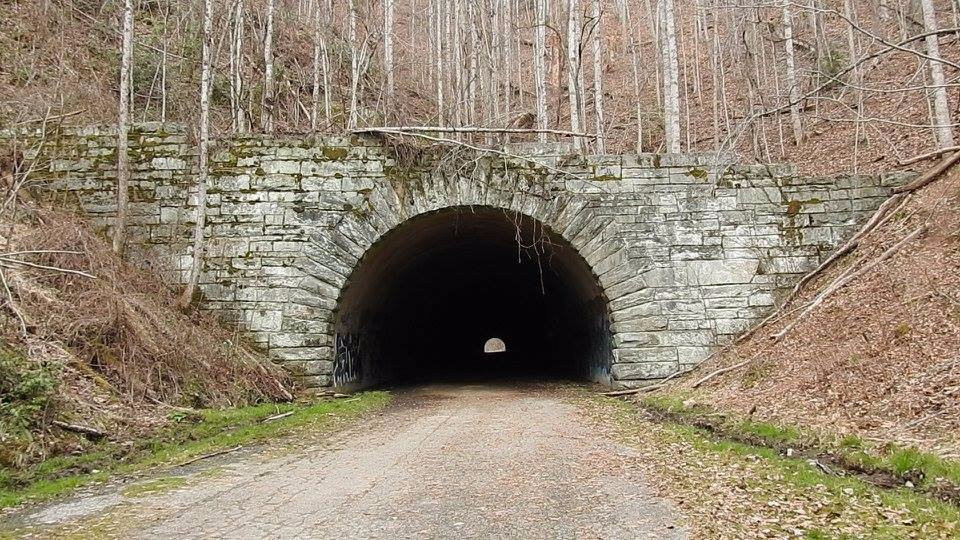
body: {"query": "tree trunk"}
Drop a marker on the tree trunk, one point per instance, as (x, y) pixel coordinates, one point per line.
(236, 69)
(941, 106)
(540, 64)
(318, 67)
(123, 128)
(793, 90)
(598, 75)
(267, 105)
(203, 151)
(354, 64)
(388, 51)
(671, 83)
(573, 70)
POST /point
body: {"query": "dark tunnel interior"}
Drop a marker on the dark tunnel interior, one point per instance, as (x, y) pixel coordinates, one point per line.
(425, 299)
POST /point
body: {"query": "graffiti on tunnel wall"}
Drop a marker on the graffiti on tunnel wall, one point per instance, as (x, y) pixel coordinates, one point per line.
(347, 366)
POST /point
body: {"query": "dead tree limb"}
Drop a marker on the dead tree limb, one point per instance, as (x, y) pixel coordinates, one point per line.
(936, 153)
(846, 278)
(721, 371)
(87, 431)
(439, 129)
(930, 175)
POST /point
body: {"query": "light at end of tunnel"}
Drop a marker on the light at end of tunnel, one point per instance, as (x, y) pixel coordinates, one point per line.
(494, 345)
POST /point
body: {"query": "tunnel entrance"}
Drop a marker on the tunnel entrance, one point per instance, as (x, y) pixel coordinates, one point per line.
(423, 302)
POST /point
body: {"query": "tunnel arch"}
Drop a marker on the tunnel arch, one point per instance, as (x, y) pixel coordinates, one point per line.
(308, 342)
(425, 293)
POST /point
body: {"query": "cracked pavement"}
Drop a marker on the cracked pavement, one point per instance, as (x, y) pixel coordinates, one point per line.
(445, 461)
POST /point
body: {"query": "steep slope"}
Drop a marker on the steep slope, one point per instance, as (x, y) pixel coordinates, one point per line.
(87, 339)
(879, 358)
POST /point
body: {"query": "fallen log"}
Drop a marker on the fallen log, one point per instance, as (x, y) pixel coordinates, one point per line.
(93, 433)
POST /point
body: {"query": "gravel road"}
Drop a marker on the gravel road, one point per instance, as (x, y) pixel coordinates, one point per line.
(445, 461)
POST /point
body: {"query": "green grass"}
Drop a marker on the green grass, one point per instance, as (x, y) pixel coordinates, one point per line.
(186, 438)
(151, 487)
(904, 462)
(767, 475)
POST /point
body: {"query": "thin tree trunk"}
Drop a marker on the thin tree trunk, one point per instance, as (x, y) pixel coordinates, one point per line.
(388, 65)
(439, 48)
(573, 69)
(941, 106)
(671, 83)
(267, 111)
(317, 67)
(123, 128)
(598, 75)
(540, 64)
(793, 89)
(327, 14)
(203, 151)
(354, 64)
(236, 69)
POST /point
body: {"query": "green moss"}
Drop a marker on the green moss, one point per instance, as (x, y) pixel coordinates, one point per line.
(189, 436)
(697, 173)
(334, 154)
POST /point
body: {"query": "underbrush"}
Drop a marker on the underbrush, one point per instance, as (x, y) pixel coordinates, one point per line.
(888, 465)
(89, 340)
(189, 435)
(728, 487)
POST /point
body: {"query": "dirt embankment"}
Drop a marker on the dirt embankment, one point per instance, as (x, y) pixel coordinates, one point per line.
(87, 340)
(877, 358)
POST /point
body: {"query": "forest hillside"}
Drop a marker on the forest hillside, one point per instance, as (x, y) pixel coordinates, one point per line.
(830, 85)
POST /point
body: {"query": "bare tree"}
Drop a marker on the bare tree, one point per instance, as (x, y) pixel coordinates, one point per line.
(388, 9)
(573, 69)
(354, 63)
(203, 155)
(236, 69)
(598, 74)
(267, 104)
(671, 82)
(540, 64)
(320, 67)
(123, 127)
(793, 89)
(941, 107)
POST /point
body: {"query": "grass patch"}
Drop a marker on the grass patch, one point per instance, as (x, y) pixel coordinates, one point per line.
(907, 463)
(186, 437)
(748, 488)
(151, 487)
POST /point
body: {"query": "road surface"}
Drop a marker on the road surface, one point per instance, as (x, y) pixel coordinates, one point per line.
(444, 461)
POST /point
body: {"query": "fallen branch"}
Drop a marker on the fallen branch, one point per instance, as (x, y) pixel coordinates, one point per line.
(444, 140)
(720, 371)
(936, 153)
(847, 277)
(878, 218)
(56, 117)
(12, 304)
(930, 175)
(438, 129)
(9, 260)
(210, 455)
(93, 433)
(277, 417)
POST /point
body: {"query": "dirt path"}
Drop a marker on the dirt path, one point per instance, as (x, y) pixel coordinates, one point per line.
(444, 462)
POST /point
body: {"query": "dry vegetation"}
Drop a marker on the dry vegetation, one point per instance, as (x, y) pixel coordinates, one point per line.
(62, 55)
(110, 352)
(880, 358)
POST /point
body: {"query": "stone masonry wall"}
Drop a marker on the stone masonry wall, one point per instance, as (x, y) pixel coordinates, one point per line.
(689, 249)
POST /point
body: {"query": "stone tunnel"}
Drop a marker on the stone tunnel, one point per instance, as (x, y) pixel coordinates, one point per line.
(353, 267)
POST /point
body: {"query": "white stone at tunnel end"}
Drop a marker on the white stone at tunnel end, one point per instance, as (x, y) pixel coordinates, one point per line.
(289, 219)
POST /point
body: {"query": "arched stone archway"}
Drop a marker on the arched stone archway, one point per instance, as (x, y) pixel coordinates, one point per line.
(570, 223)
